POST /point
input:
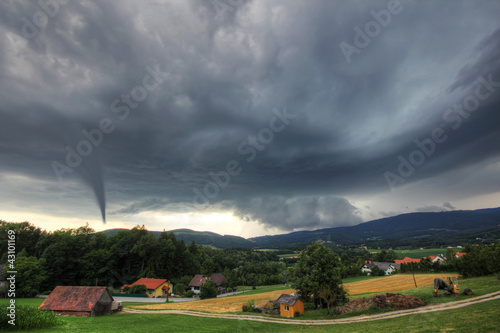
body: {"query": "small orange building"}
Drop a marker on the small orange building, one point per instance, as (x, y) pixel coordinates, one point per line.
(290, 304)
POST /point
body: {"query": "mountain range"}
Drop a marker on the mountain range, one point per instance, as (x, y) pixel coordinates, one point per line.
(411, 225)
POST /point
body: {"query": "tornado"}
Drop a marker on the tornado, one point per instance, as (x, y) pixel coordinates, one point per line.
(91, 171)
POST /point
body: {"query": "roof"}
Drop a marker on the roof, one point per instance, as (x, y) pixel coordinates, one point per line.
(70, 298)
(406, 260)
(287, 299)
(149, 283)
(218, 278)
(199, 279)
(459, 254)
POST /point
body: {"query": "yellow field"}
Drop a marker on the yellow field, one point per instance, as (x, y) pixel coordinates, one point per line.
(234, 304)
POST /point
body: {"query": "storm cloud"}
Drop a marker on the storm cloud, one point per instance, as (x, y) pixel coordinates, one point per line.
(178, 102)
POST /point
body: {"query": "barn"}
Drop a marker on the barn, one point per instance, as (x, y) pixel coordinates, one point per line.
(79, 301)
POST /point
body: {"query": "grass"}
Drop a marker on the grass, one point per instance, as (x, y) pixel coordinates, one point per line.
(418, 254)
(481, 317)
(289, 255)
(259, 289)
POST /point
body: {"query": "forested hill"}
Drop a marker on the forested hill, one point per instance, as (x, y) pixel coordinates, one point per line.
(412, 225)
(201, 237)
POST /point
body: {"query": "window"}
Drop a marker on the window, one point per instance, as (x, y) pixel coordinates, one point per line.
(287, 308)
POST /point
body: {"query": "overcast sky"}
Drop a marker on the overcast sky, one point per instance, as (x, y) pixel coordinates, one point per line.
(246, 117)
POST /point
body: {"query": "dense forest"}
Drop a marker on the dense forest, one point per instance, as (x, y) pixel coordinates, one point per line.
(81, 256)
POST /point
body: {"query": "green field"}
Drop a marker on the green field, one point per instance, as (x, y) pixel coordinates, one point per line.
(289, 255)
(418, 254)
(482, 317)
(259, 289)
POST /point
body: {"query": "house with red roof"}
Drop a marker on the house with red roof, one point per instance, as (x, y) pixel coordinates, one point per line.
(198, 280)
(459, 254)
(407, 260)
(155, 287)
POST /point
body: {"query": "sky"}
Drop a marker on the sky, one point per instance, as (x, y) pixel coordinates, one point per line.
(246, 117)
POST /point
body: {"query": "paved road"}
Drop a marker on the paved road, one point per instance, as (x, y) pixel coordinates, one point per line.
(162, 300)
(388, 315)
(152, 300)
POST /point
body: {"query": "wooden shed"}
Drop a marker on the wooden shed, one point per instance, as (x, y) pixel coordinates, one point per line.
(79, 301)
(289, 304)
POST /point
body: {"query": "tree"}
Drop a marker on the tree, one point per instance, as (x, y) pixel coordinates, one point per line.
(318, 269)
(450, 256)
(207, 268)
(180, 289)
(375, 271)
(385, 256)
(208, 290)
(30, 275)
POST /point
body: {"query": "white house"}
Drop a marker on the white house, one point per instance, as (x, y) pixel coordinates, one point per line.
(438, 258)
(387, 267)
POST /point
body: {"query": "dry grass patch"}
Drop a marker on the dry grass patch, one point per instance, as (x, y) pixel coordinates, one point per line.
(234, 304)
(392, 283)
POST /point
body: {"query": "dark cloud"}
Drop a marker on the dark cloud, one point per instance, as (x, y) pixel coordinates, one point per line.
(300, 213)
(446, 206)
(219, 80)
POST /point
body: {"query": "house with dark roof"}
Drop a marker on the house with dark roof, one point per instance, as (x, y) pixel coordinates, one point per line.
(79, 301)
(289, 305)
(387, 267)
(155, 287)
(198, 280)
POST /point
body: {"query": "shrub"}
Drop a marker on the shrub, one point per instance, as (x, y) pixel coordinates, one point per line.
(126, 289)
(180, 289)
(297, 314)
(250, 307)
(28, 318)
(188, 294)
(138, 289)
(208, 290)
(309, 306)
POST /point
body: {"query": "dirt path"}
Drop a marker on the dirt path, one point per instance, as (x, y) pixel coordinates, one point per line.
(279, 320)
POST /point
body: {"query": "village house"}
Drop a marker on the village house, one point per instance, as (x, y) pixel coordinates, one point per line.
(198, 280)
(387, 267)
(407, 260)
(79, 301)
(155, 287)
(438, 258)
(289, 304)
